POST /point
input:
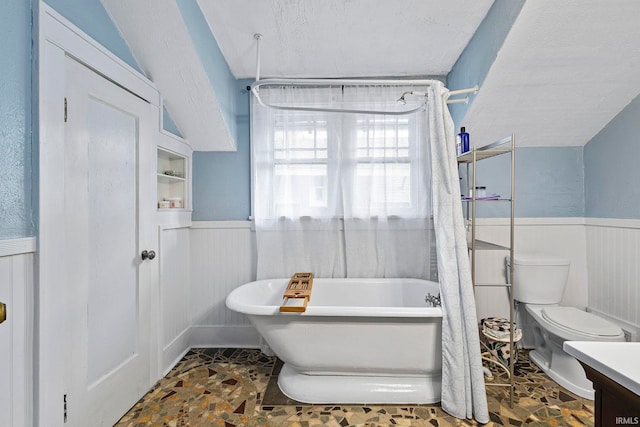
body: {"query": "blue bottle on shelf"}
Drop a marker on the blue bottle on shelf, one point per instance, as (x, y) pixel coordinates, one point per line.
(464, 140)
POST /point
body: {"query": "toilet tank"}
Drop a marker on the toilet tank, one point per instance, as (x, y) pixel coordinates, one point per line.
(539, 279)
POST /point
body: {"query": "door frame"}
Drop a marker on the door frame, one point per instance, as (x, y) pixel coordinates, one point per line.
(57, 39)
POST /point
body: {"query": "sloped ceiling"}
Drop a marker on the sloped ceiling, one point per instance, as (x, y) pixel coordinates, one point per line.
(160, 42)
(302, 38)
(338, 38)
(564, 71)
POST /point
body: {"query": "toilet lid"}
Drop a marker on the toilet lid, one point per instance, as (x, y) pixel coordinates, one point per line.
(580, 321)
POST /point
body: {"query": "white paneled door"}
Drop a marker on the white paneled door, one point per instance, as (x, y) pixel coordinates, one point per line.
(106, 202)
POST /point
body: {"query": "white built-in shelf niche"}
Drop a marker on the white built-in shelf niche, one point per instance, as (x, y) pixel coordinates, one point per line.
(172, 181)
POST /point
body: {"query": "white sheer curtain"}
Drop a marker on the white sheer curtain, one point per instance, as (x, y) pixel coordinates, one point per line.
(297, 193)
(342, 194)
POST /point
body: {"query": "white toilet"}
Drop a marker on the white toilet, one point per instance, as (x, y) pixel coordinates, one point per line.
(538, 283)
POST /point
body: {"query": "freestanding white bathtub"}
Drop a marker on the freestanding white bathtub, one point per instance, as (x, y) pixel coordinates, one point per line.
(359, 341)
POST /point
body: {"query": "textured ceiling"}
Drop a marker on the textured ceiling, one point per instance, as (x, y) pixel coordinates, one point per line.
(564, 71)
(338, 38)
(160, 42)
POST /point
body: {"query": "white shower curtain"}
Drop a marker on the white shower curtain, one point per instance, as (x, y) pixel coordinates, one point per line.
(360, 195)
(463, 388)
(342, 194)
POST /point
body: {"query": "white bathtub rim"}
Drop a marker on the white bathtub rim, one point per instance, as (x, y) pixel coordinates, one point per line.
(338, 311)
(235, 302)
(346, 389)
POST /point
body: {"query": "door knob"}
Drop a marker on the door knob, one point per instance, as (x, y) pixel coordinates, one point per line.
(148, 255)
(3, 312)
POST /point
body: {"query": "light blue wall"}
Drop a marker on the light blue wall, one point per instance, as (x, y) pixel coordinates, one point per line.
(549, 182)
(92, 18)
(17, 217)
(222, 180)
(222, 80)
(612, 171)
(476, 59)
(18, 105)
(168, 123)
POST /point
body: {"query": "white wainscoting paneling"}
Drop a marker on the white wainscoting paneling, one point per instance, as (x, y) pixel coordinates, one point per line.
(223, 257)
(564, 237)
(175, 277)
(16, 338)
(613, 253)
(491, 300)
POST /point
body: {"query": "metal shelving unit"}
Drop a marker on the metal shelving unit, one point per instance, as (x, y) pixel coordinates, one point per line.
(471, 159)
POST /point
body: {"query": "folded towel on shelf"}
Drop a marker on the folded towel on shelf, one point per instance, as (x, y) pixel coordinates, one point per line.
(498, 328)
(502, 337)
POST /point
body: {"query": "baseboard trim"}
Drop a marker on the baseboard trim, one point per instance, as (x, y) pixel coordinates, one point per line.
(171, 365)
(224, 336)
(173, 352)
(207, 337)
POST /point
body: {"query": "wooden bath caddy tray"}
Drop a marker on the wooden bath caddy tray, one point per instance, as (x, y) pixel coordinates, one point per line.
(298, 293)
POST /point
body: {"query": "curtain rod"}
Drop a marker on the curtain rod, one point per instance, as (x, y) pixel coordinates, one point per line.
(255, 89)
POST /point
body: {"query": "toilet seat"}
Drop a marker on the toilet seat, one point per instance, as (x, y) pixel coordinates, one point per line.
(580, 322)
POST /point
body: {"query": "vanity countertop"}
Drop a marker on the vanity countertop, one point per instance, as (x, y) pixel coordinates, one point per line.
(616, 360)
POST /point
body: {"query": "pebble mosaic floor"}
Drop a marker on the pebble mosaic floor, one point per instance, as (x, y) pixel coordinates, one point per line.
(232, 387)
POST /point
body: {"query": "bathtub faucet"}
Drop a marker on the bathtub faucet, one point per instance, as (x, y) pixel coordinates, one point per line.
(433, 300)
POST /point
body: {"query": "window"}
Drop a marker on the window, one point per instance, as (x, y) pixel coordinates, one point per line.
(372, 153)
(384, 169)
(338, 165)
(300, 164)
(341, 193)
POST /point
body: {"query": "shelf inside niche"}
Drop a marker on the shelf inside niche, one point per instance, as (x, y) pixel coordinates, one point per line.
(168, 179)
(168, 161)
